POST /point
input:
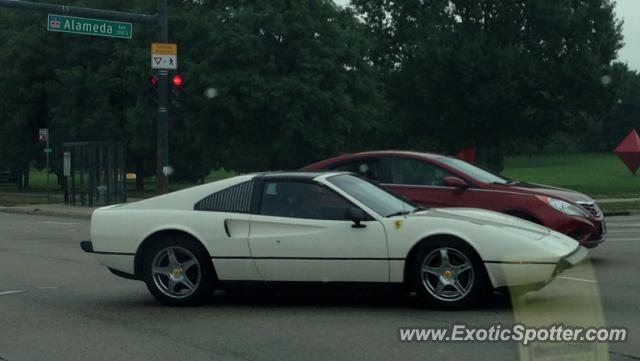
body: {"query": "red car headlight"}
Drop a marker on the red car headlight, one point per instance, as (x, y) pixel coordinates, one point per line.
(564, 207)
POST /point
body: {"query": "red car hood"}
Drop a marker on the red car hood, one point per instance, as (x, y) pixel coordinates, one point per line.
(543, 190)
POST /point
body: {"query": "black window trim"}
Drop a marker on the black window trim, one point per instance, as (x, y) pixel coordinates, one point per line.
(195, 205)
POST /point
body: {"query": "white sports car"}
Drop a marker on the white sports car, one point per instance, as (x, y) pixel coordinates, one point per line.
(322, 228)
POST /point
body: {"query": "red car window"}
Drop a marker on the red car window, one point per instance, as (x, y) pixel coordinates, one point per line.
(409, 171)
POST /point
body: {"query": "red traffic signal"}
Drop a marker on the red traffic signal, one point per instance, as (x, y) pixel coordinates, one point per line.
(153, 80)
(177, 80)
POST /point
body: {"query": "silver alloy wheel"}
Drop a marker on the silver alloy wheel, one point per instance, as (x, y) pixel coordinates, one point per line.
(176, 272)
(447, 274)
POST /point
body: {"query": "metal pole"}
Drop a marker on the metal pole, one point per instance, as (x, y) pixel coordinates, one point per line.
(163, 104)
(78, 11)
(48, 151)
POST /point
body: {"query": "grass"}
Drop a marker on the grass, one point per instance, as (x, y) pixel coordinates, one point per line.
(150, 184)
(36, 194)
(598, 175)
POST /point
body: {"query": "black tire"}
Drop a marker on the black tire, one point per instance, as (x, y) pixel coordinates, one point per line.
(473, 281)
(193, 283)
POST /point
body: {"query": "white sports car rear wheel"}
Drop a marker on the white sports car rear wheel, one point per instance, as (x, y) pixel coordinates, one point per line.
(178, 272)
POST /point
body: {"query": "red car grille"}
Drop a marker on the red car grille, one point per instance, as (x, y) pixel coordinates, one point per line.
(592, 208)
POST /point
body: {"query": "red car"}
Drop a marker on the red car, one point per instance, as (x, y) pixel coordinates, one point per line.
(434, 180)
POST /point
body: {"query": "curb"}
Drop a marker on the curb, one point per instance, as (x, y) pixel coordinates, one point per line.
(621, 213)
(40, 212)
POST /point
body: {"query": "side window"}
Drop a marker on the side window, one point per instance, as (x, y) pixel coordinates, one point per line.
(236, 199)
(302, 200)
(410, 171)
(368, 168)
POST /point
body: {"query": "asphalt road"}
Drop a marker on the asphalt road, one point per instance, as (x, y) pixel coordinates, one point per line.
(70, 308)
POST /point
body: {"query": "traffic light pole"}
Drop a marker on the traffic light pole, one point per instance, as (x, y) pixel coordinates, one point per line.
(162, 28)
(48, 151)
(163, 171)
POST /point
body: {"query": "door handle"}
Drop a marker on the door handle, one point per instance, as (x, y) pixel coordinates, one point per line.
(226, 229)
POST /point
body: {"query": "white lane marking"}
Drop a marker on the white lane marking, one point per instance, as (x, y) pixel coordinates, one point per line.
(60, 223)
(6, 293)
(578, 279)
(48, 288)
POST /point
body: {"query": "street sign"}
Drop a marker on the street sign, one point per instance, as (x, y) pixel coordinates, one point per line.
(97, 27)
(43, 134)
(164, 56)
(66, 164)
(48, 150)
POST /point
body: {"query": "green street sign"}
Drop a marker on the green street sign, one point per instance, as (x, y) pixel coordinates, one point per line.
(97, 27)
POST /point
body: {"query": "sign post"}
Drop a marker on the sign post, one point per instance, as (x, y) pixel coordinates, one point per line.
(43, 136)
(66, 164)
(162, 36)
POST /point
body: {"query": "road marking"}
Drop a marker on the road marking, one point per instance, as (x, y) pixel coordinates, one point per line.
(48, 288)
(621, 240)
(60, 223)
(578, 279)
(6, 293)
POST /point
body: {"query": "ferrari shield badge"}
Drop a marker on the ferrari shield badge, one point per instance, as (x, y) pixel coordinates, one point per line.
(398, 223)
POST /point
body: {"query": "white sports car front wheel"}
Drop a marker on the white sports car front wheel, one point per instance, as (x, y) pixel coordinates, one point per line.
(448, 273)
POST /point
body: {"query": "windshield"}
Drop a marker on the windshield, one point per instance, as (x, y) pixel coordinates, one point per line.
(473, 171)
(379, 200)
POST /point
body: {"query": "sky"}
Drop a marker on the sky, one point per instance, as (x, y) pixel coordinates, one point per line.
(627, 10)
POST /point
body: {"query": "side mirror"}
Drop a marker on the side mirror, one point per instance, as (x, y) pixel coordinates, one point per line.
(356, 216)
(455, 182)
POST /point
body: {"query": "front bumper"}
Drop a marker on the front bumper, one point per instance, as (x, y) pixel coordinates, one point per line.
(592, 237)
(518, 288)
(571, 260)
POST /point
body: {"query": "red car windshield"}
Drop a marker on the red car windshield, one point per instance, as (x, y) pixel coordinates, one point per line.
(475, 172)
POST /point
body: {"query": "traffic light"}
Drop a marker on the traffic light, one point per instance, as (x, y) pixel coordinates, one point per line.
(152, 90)
(177, 100)
(177, 91)
(177, 81)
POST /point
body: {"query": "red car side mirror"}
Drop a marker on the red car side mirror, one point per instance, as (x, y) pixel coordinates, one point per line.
(455, 182)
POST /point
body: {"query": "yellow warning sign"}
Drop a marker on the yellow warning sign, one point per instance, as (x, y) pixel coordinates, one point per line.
(164, 49)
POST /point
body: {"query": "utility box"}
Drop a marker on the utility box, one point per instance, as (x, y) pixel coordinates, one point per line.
(94, 173)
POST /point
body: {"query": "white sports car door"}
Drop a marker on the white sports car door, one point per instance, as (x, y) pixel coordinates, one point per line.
(301, 235)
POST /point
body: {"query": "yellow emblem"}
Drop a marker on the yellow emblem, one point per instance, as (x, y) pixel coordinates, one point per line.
(398, 223)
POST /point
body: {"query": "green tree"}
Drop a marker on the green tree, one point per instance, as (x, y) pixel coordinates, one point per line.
(623, 117)
(292, 79)
(493, 73)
